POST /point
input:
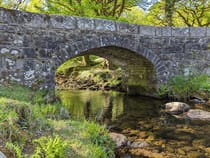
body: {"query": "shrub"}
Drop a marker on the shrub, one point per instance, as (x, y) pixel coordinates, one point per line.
(48, 147)
(183, 87)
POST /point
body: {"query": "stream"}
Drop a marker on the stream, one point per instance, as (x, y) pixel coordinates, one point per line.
(141, 119)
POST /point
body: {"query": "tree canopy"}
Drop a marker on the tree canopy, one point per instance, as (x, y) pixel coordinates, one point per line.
(180, 13)
(153, 12)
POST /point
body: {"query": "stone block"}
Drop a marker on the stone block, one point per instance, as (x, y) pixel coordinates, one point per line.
(85, 23)
(29, 52)
(183, 32)
(105, 25)
(20, 64)
(158, 31)
(166, 31)
(4, 51)
(28, 64)
(208, 31)
(1, 15)
(6, 16)
(197, 31)
(62, 22)
(3, 27)
(37, 20)
(127, 28)
(106, 40)
(147, 30)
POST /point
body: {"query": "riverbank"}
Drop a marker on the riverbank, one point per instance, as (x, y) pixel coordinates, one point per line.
(89, 72)
(46, 128)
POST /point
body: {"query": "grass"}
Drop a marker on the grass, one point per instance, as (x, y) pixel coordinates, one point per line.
(16, 92)
(183, 87)
(45, 129)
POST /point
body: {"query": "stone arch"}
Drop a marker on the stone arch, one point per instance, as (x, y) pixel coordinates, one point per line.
(67, 51)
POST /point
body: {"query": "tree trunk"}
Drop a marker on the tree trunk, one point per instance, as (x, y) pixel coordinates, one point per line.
(86, 60)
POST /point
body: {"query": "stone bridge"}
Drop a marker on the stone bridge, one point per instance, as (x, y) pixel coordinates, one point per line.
(33, 46)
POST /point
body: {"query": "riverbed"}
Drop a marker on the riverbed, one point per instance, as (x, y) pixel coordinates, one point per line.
(141, 119)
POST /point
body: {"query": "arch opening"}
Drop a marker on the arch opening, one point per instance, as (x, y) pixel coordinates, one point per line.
(115, 68)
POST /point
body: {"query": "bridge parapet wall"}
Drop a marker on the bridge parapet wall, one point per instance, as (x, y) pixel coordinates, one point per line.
(43, 21)
(32, 45)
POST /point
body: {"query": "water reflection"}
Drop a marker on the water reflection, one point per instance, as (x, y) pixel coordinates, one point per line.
(141, 119)
(99, 106)
(109, 107)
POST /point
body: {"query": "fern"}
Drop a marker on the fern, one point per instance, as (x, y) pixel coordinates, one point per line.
(15, 149)
(47, 147)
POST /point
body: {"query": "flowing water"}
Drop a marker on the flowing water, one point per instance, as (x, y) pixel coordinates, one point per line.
(141, 119)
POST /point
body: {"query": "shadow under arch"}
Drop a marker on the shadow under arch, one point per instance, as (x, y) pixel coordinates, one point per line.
(141, 69)
(69, 50)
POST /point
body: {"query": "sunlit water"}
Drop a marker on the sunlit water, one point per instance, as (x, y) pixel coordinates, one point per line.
(141, 119)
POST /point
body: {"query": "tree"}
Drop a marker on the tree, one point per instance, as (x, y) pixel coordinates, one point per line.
(169, 11)
(180, 13)
(135, 15)
(86, 60)
(193, 12)
(156, 14)
(89, 8)
(35, 5)
(13, 4)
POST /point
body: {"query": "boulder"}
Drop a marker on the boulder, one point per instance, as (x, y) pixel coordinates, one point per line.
(2, 155)
(197, 114)
(176, 108)
(119, 139)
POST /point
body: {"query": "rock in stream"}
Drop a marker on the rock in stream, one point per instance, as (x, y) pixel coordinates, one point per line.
(176, 108)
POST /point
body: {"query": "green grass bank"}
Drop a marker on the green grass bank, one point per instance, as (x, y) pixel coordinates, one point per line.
(30, 127)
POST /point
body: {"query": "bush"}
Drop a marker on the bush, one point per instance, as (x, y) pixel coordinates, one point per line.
(183, 87)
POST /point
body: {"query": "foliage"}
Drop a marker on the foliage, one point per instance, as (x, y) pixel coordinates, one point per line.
(89, 137)
(163, 90)
(44, 147)
(99, 72)
(93, 8)
(180, 13)
(134, 15)
(193, 12)
(183, 87)
(99, 137)
(22, 122)
(155, 12)
(65, 67)
(15, 92)
(17, 4)
(205, 85)
(16, 150)
(18, 118)
(50, 147)
(38, 96)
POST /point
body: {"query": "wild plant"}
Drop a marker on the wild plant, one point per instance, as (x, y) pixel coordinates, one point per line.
(48, 147)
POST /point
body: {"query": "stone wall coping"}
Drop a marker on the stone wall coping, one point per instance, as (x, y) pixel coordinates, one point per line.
(36, 20)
